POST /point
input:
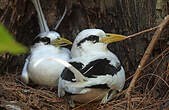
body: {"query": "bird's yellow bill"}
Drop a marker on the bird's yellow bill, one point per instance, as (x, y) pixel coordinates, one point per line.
(112, 38)
(61, 42)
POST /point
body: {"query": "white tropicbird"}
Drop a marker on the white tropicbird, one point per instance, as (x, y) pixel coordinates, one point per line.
(47, 44)
(100, 67)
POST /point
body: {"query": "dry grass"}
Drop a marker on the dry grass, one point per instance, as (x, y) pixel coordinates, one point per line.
(14, 92)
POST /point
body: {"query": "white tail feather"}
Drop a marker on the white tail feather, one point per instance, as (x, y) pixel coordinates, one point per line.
(78, 75)
(42, 22)
(56, 27)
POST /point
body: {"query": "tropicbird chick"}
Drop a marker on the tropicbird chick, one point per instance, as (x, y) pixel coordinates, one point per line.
(100, 66)
(47, 44)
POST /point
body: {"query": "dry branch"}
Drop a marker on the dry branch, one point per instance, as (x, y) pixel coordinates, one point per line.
(141, 32)
(145, 57)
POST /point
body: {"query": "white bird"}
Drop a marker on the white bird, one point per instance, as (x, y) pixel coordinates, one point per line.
(100, 67)
(47, 44)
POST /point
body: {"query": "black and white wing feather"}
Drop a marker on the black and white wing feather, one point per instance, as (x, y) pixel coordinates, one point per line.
(100, 74)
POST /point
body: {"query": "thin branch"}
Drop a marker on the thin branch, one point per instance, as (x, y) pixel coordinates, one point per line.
(141, 32)
(145, 57)
(167, 76)
(161, 54)
(116, 37)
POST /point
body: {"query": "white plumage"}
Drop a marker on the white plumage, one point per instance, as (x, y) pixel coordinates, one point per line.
(46, 72)
(100, 66)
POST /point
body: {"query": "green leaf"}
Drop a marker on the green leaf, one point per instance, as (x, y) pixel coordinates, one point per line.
(8, 44)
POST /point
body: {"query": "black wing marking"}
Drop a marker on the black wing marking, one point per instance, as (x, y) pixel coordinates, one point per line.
(68, 75)
(100, 67)
(92, 70)
(45, 40)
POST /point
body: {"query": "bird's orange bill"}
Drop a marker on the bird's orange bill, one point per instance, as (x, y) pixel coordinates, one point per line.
(61, 42)
(112, 38)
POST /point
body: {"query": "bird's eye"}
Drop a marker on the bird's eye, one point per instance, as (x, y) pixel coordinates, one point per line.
(94, 38)
(45, 40)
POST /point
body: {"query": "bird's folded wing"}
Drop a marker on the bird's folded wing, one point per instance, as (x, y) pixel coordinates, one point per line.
(24, 75)
(100, 80)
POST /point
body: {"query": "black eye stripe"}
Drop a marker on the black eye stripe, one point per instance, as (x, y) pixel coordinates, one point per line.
(46, 40)
(93, 38)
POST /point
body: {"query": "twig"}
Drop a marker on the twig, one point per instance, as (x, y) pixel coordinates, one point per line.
(167, 76)
(145, 57)
(144, 31)
(161, 54)
(159, 78)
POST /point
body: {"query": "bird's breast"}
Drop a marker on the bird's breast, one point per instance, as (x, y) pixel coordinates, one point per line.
(43, 71)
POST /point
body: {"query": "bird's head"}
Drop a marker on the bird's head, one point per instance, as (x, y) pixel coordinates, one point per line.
(95, 38)
(51, 38)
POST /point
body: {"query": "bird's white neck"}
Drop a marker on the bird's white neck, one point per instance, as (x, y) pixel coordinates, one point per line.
(38, 44)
